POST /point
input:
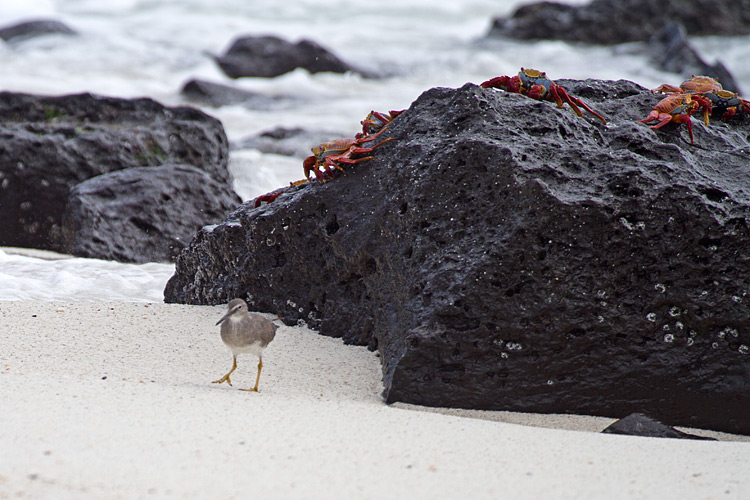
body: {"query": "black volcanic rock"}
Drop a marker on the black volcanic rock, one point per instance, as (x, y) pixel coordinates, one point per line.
(269, 56)
(638, 424)
(144, 214)
(618, 21)
(505, 254)
(52, 143)
(32, 29)
(671, 51)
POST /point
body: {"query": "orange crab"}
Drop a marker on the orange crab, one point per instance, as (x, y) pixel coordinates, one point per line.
(535, 84)
(332, 154)
(676, 108)
(699, 84)
(715, 97)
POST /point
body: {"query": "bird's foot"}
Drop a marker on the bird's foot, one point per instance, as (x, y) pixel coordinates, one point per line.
(254, 389)
(225, 378)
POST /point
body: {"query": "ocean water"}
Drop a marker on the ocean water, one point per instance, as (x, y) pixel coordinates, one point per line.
(134, 48)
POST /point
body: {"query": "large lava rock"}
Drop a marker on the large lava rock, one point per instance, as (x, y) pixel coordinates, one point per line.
(52, 143)
(269, 56)
(636, 20)
(502, 253)
(145, 214)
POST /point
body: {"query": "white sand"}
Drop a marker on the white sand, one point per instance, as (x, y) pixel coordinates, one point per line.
(114, 400)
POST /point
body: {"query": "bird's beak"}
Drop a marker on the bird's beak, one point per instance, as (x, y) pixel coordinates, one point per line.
(229, 313)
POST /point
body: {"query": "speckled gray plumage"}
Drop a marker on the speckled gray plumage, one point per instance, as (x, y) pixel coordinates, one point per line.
(243, 331)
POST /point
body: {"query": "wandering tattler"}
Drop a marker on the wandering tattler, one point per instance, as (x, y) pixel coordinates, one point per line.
(243, 331)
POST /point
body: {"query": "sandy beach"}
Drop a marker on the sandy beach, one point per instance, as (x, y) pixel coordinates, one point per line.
(114, 400)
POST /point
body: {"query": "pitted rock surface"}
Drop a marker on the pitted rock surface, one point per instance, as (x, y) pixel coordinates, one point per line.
(505, 254)
(143, 214)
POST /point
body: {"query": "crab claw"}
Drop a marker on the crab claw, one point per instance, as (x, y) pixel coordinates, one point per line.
(268, 198)
(310, 165)
(507, 83)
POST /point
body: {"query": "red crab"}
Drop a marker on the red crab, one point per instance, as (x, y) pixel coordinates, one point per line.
(716, 98)
(375, 121)
(535, 84)
(332, 154)
(727, 103)
(676, 108)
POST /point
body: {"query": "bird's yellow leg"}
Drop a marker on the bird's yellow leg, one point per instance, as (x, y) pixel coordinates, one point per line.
(257, 379)
(225, 378)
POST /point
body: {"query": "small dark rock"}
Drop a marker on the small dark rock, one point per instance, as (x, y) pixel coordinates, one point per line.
(270, 56)
(317, 59)
(146, 214)
(32, 29)
(52, 143)
(638, 424)
(618, 21)
(287, 141)
(502, 253)
(216, 94)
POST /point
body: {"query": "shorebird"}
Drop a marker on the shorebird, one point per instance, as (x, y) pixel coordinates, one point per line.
(243, 331)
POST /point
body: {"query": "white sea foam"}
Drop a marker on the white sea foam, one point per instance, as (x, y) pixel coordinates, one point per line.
(130, 48)
(24, 277)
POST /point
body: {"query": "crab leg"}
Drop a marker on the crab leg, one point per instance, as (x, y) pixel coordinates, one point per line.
(575, 102)
(671, 118)
(663, 121)
(350, 161)
(370, 149)
(370, 138)
(560, 95)
(686, 119)
(667, 89)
